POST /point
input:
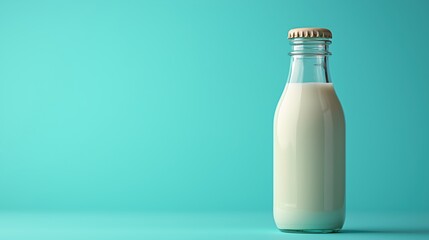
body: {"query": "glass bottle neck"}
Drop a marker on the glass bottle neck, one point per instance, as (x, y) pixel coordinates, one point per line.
(309, 60)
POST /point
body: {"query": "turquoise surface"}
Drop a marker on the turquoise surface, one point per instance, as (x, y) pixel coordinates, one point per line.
(244, 225)
(166, 106)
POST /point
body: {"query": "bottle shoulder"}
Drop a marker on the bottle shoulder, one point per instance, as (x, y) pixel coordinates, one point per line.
(309, 100)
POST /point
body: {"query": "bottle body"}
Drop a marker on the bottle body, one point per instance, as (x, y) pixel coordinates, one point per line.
(309, 150)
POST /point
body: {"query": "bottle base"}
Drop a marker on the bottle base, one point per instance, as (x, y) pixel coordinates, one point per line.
(310, 230)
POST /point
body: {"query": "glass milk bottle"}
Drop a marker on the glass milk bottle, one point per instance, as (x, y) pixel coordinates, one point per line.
(309, 141)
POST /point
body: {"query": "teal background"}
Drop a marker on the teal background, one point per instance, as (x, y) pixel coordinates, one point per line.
(168, 105)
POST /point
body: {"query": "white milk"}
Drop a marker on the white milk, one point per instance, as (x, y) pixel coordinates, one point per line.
(309, 158)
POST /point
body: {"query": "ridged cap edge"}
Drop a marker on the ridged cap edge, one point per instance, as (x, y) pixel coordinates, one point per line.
(309, 33)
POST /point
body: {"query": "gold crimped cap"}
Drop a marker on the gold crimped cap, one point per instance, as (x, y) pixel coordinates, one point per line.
(309, 33)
